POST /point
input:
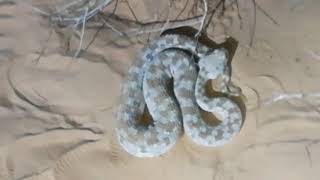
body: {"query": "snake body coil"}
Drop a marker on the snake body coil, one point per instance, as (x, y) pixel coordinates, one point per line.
(147, 83)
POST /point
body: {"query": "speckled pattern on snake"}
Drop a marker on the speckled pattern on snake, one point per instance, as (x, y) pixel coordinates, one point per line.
(172, 114)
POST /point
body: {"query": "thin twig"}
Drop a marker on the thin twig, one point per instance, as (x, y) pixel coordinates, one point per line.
(203, 19)
(253, 30)
(82, 34)
(102, 26)
(127, 21)
(165, 25)
(287, 96)
(149, 27)
(131, 11)
(35, 9)
(183, 9)
(223, 6)
(68, 5)
(115, 7)
(307, 141)
(159, 26)
(45, 47)
(154, 27)
(212, 13)
(114, 29)
(94, 36)
(238, 12)
(267, 14)
(66, 20)
(308, 155)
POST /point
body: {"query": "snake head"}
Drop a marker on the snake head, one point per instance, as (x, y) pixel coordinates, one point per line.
(214, 64)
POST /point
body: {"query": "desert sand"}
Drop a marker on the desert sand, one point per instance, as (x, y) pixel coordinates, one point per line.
(57, 112)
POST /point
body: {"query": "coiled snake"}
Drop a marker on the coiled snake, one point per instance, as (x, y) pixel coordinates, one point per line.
(147, 83)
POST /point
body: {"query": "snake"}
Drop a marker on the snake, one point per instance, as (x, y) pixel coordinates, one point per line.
(172, 57)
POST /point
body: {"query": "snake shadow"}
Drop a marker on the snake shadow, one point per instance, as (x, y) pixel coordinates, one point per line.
(231, 45)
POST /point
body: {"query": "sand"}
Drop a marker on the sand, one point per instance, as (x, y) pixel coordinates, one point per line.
(57, 112)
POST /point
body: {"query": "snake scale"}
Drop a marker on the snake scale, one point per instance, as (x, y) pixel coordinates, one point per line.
(171, 57)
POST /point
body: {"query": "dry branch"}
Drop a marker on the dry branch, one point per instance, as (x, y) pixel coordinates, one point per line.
(67, 19)
(82, 34)
(141, 28)
(288, 96)
(201, 29)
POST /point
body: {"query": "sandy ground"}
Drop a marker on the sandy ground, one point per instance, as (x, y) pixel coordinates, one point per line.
(56, 113)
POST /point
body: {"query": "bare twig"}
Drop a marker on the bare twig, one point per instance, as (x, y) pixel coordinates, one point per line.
(45, 47)
(57, 16)
(308, 155)
(253, 30)
(267, 14)
(212, 13)
(287, 96)
(223, 6)
(130, 22)
(102, 26)
(35, 8)
(95, 36)
(114, 29)
(183, 9)
(67, 6)
(142, 28)
(205, 4)
(82, 34)
(115, 7)
(238, 13)
(194, 9)
(131, 11)
(157, 26)
(165, 25)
